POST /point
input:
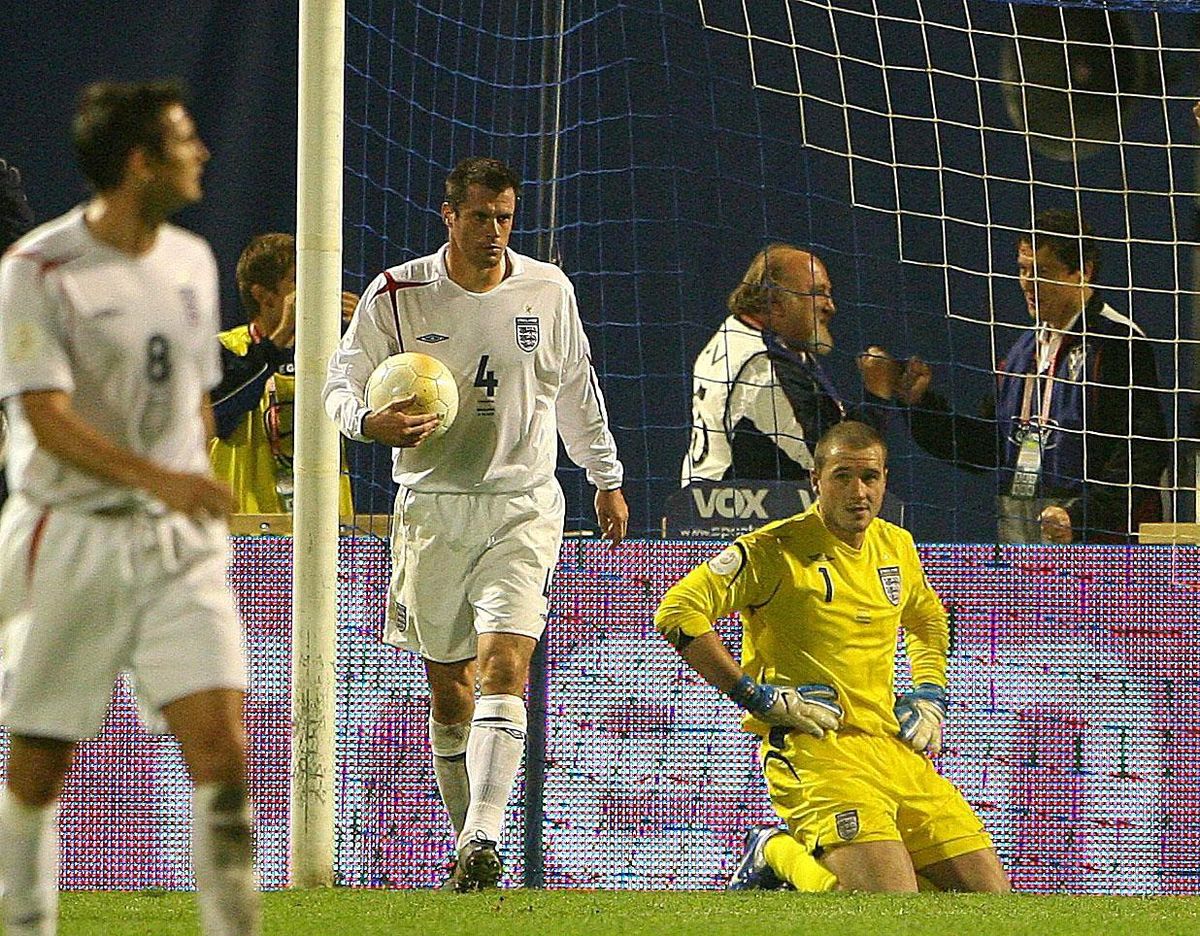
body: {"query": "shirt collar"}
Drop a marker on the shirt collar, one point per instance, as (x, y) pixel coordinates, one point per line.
(514, 261)
(1047, 334)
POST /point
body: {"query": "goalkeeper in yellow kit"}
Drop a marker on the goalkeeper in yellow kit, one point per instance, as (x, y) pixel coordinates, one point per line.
(821, 596)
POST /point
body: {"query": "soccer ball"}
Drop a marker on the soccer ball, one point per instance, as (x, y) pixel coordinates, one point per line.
(421, 375)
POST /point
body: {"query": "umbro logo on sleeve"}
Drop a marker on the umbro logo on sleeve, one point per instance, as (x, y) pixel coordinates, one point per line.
(432, 338)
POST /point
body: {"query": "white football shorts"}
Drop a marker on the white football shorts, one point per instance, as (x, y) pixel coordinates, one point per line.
(84, 597)
(470, 564)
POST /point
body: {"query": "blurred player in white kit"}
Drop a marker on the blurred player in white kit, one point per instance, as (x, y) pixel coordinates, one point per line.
(113, 544)
(479, 514)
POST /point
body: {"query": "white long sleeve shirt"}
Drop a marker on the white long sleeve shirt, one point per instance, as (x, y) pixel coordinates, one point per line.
(520, 359)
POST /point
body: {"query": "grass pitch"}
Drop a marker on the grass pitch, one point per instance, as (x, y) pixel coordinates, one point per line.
(638, 913)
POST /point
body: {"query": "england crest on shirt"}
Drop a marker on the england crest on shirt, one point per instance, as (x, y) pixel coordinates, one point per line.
(529, 332)
(889, 577)
(846, 824)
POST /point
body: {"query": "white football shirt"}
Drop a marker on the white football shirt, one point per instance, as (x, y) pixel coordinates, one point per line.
(522, 364)
(734, 379)
(131, 339)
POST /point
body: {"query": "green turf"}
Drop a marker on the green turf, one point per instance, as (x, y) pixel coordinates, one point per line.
(589, 913)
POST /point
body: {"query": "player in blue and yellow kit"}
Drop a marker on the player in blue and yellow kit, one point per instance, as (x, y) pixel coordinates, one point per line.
(821, 596)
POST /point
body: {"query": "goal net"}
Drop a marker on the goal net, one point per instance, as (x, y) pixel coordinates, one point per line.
(909, 144)
(943, 132)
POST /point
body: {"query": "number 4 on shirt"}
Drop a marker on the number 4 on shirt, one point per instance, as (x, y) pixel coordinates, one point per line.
(485, 378)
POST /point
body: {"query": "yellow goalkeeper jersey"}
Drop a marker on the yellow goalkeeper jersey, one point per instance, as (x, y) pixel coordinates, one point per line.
(245, 460)
(816, 610)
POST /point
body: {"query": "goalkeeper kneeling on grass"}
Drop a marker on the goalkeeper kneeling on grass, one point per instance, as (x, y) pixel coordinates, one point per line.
(821, 596)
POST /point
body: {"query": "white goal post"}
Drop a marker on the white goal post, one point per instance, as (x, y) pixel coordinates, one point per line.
(314, 576)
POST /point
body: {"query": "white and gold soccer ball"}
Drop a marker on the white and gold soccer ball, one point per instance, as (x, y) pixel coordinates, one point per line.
(425, 377)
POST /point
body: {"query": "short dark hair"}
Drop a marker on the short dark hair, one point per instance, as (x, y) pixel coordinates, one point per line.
(480, 170)
(752, 295)
(1068, 237)
(265, 261)
(115, 118)
(847, 434)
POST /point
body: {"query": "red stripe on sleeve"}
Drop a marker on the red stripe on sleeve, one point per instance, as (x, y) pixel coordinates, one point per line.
(35, 543)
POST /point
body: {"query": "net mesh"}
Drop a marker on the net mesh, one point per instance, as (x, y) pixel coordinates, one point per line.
(910, 144)
(951, 126)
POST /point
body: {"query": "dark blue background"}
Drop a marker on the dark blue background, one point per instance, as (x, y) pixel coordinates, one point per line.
(672, 173)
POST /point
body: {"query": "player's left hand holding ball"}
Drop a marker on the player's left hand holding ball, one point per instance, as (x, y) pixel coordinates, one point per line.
(397, 428)
(920, 714)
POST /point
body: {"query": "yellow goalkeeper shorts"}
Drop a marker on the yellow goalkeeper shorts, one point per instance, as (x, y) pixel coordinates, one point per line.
(851, 788)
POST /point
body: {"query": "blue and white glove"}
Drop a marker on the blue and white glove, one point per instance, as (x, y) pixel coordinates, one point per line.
(920, 714)
(812, 709)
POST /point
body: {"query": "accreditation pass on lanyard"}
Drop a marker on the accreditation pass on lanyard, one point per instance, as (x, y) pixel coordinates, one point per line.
(1031, 435)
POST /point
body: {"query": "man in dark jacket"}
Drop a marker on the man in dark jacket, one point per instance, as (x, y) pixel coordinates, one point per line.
(1075, 431)
(760, 396)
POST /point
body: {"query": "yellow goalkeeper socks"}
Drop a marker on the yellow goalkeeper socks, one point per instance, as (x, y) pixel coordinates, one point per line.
(792, 862)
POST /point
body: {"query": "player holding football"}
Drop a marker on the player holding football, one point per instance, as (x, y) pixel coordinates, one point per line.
(113, 544)
(820, 596)
(479, 514)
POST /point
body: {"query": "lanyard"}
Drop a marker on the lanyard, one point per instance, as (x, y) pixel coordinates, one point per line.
(1032, 379)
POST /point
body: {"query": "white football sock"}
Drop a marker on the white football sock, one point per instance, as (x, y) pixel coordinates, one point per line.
(223, 856)
(449, 743)
(28, 867)
(494, 752)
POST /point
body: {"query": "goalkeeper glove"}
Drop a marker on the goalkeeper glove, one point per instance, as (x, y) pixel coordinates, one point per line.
(812, 709)
(920, 714)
